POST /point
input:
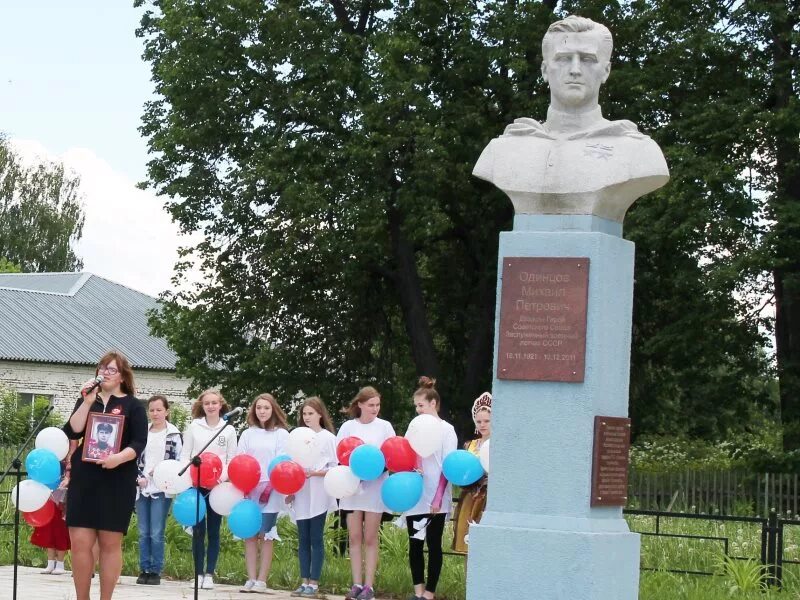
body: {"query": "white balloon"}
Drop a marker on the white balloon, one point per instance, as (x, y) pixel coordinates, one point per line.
(340, 482)
(223, 497)
(302, 448)
(32, 495)
(167, 479)
(484, 455)
(55, 440)
(425, 435)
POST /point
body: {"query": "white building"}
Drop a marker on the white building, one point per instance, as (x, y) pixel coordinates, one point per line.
(55, 326)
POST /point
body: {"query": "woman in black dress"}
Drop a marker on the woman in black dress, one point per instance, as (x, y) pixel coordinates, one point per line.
(101, 495)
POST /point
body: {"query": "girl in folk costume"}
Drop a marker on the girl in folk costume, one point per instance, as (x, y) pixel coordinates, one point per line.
(164, 442)
(366, 507)
(264, 440)
(473, 497)
(312, 503)
(207, 421)
(426, 520)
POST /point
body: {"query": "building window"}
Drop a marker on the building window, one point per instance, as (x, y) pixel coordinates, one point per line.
(25, 399)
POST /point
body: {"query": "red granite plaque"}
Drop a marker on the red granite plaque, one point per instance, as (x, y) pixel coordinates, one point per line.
(610, 459)
(543, 319)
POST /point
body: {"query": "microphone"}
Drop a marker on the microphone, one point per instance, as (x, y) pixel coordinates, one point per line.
(97, 381)
(233, 414)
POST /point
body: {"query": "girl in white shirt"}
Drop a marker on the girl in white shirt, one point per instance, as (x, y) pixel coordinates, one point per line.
(312, 503)
(364, 522)
(264, 440)
(164, 442)
(207, 421)
(426, 520)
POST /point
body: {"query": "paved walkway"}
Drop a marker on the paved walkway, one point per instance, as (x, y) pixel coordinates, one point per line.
(31, 585)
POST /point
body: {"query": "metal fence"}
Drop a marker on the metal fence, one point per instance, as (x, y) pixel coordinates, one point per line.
(715, 492)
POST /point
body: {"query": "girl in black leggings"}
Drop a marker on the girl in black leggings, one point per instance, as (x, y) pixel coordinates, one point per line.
(426, 520)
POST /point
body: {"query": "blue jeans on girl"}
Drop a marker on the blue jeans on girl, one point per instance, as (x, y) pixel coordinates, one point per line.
(311, 547)
(151, 515)
(214, 521)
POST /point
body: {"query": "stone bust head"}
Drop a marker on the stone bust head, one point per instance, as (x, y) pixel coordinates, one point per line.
(576, 162)
(576, 61)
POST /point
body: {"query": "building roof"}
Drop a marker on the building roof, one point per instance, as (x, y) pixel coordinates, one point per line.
(74, 318)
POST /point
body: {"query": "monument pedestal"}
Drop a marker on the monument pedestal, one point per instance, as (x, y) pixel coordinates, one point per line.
(553, 564)
(539, 534)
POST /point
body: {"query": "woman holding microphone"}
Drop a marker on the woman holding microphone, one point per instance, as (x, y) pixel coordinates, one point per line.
(102, 492)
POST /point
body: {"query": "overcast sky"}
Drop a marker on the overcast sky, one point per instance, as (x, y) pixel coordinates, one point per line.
(72, 89)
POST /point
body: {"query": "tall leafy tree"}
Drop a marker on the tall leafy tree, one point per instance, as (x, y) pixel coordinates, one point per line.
(41, 214)
(325, 149)
(771, 31)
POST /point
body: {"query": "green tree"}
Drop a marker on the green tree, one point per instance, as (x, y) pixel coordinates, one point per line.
(41, 214)
(325, 149)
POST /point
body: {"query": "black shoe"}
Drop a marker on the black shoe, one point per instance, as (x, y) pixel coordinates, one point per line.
(153, 579)
(142, 578)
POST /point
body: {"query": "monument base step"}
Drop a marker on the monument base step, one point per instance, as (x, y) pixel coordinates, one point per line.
(551, 564)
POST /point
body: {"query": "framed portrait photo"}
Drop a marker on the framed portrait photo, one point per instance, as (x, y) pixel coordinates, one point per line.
(103, 436)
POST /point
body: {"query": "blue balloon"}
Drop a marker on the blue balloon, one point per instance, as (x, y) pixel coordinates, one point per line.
(462, 468)
(245, 519)
(402, 491)
(367, 462)
(42, 465)
(184, 507)
(275, 461)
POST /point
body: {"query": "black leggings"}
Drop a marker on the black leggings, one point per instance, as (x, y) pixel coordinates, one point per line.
(416, 557)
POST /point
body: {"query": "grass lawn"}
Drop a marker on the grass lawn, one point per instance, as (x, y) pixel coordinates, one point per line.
(735, 578)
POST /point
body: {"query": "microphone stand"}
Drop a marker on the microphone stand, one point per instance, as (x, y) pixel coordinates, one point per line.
(16, 464)
(197, 462)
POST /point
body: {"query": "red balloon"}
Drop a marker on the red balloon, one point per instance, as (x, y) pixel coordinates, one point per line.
(210, 470)
(41, 517)
(346, 447)
(287, 477)
(399, 454)
(244, 472)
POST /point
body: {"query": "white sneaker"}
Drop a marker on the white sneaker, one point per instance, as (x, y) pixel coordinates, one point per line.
(260, 587)
(208, 582)
(247, 588)
(200, 580)
(48, 570)
(58, 571)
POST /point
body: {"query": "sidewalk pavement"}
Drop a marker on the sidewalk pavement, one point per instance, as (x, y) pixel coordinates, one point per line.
(32, 585)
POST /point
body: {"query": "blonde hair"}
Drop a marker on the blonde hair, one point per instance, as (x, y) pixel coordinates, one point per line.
(197, 407)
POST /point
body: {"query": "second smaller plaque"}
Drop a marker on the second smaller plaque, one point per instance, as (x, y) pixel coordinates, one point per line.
(612, 442)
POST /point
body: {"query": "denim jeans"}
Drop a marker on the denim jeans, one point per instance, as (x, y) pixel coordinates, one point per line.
(214, 521)
(311, 547)
(151, 515)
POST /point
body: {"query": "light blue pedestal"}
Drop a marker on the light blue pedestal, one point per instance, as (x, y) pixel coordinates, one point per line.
(539, 538)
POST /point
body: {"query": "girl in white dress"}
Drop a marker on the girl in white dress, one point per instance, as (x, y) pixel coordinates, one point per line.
(426, 520)
(364, 522)
(264, 440)
(312, 503)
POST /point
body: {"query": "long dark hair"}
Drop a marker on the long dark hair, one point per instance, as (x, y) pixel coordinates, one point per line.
(318, 405)
(276, 419)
